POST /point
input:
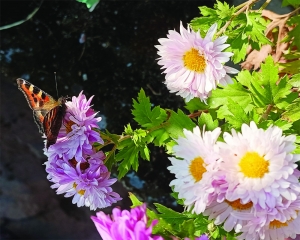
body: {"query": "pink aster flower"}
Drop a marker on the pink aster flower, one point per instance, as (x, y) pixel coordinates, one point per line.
(87, 181)
(259, 166)
(125, 225)
(194, 65)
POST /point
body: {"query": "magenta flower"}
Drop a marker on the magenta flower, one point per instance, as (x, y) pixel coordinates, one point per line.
(125, 225)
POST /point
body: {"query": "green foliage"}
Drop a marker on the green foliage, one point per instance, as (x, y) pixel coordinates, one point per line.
(89, 3)
(269, 97)
(144, 114)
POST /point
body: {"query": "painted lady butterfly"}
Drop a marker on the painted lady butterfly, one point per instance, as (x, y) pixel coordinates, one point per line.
(48, 113)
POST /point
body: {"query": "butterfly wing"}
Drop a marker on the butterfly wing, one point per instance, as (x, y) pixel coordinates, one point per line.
(53, 121)
(38, 100)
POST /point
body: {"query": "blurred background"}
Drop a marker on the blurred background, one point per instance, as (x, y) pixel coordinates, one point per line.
(108, 53)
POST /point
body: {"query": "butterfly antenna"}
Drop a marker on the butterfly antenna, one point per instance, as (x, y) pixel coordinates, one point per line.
(56, 84)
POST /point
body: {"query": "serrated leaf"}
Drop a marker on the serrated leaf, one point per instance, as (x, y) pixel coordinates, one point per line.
(292, 113)
(282, 90)
(234, 91)
(159, 136)
(295, 81)
(255, 29)
(135, 201)
(169, 215)
(207, 120)
(238, 45)
(129, 155)
(284, 125)
(110, 160)
(236, 114)
(294, 34)
(178, 122)
(187, 228)
(145, 153)
(195, 104)
(224, 11)
(144, 115)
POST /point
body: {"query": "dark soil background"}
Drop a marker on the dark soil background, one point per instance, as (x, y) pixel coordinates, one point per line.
(115, 61)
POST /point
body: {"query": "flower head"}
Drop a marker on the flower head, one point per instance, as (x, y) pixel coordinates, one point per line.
(125, 225)
(259, 166)
(195, 172)
(194, 65)
(87, 181)
(77, 133)
(73, 165)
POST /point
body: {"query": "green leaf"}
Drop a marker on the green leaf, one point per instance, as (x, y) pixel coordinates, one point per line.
(110, 160)
(255, 29)
(223, 11)
(238, 45)
(177, 122)
(207, 120)
(235, 114)
(195, 104)
(294, 3)
(295, 81)
(293, 111)
(160, 136)
(187, 228)
(234, 91)
(129, 155)
(89, 3)
(144, 115)
(135, 201)
(282, 90)
(169, 215)
(294, 34)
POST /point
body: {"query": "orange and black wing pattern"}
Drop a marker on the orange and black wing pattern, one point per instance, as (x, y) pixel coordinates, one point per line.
(47, 112)
(53, 121)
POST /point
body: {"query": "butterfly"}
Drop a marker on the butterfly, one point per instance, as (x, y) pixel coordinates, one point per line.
(48, 113)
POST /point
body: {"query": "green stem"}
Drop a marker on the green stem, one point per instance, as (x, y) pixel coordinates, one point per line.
(21, 21)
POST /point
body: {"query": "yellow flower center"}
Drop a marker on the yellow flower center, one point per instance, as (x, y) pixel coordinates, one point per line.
(277, 224)
(197, 168)
(80, 192)
(68, 125)
(254, 166)
(237, 205)
(194, 60)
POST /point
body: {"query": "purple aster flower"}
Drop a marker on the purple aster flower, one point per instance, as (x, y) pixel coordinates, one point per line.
(202, 237)
(77, 134)
(125, 225)
(87, 181)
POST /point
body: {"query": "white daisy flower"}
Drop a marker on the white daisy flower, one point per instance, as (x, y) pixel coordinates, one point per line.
(195, 172)
(259, 166)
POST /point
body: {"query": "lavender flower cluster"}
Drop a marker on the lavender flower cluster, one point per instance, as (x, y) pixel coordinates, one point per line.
(74, 166)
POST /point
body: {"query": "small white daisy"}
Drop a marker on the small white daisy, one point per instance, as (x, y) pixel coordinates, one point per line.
(194, 173)
(194, 65)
